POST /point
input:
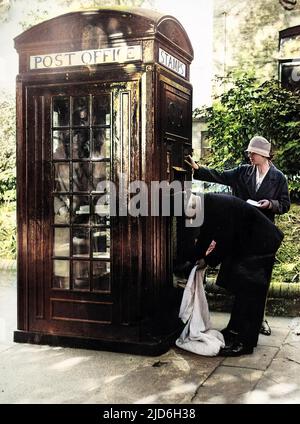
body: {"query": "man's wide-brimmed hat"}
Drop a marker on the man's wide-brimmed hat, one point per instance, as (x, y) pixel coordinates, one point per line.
(259, 145)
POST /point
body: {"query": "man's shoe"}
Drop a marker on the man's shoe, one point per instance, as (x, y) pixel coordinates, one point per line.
(236, 349)
(230, 336)
(265, 328)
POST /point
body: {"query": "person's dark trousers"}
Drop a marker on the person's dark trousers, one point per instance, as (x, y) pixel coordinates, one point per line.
(246, 316)
(250, 289)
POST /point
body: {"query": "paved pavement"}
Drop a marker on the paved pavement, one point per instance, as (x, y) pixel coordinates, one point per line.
(32, 374)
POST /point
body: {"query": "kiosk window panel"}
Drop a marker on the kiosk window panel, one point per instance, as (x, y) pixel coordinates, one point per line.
(61, 177)
(61, 145)
(81, 242)
(81, 176)
(101, 110)
(61, 112)
(101, 144)
(81, 111)
(61, 242)
(81, 144)
(61, 275)
(61, 209)
(101, 243)
(101, 276)
(81, 210)
(81, 275)
(101, 210)
(101, 176)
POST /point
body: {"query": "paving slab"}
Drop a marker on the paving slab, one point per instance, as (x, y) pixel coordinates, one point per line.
(44, 374)
(280, 384)
(291, 352)
(4, 347)
(8, 312)
(279, 322)
(276, 339)
(227, 385)
(174, 381)
(259, 360)
(294, 335)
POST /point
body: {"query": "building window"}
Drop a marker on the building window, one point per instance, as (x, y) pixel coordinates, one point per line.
(289, 58)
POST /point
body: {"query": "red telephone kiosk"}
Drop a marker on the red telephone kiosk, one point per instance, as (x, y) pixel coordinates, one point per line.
(101, 95)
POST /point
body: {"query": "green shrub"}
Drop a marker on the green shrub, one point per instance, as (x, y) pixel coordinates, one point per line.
(8, 237)
(249, 109)
(287, 265)
(7, 148)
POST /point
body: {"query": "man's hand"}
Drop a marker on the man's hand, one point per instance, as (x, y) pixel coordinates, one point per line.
(265, 204)
(211, 247)
(191, 162)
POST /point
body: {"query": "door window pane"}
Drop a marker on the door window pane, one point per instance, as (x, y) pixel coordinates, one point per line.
(101, 276)
(81, 210)
(61, 145)
(61, 177)
(101, 209)
(61, 275)
(101, 174)
(80, 111)
(61, 112)
(81, 274)
(101, 110)
(81, 176)
(81, 242)
(61, 242)
(101, 243)
(101, 143)
(81, 144)
(61, 207)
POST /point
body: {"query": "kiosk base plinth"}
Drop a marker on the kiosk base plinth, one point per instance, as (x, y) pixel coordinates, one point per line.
(152, 347)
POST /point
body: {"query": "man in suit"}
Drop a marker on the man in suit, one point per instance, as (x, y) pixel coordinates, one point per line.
(260, 181)
(245, 243)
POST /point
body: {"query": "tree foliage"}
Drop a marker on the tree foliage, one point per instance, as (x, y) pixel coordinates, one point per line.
(246, 35)
(37, 11)
(101, 3)
(7, 147)
(248, 109)
(8, 231)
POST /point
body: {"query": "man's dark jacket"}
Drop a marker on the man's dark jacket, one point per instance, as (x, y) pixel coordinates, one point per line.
(246, 243)
(243, 181)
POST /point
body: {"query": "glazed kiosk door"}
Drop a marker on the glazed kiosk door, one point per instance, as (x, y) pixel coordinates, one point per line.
(73, 159)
